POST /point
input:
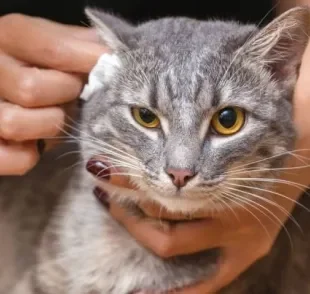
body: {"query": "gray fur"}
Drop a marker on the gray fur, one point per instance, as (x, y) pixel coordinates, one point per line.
(59, 239)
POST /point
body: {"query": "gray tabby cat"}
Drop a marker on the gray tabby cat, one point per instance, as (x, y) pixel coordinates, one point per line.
(182, 103)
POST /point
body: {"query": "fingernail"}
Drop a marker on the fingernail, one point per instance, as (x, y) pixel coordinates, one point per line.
(102, 196)
(41, 146)
(98, 169)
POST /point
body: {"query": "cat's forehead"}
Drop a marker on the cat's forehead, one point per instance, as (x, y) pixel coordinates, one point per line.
(202, 79)
(186, 43)
(189, 62)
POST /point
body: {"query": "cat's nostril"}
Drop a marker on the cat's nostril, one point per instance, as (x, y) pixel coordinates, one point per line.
(98, 169)
(180, 177)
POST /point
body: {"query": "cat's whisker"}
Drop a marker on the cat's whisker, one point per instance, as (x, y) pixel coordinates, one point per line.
(221, 198)
(268, 201)
(99, 142)
(72, 166)
(68, 153)
(126, 174)
(301, 187)
(116, 155)
(260, 207)
(114, 161)
(271, 157)
(103, 145)
(236, 200)
(269, 192)
(98, 175)
(256, 169)
(107, 152)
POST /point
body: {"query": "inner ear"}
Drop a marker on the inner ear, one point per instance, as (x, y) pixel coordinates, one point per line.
(109, 28)
(281, 44)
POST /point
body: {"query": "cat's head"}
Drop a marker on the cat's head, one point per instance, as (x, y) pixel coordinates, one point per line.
(197, 114)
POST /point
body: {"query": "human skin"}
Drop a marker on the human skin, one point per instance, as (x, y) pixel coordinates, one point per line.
(43, 67)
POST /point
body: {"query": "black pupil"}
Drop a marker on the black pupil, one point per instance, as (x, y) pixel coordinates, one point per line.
(146, 115)
(227, 117)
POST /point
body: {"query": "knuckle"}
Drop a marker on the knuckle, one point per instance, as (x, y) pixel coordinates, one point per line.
(52, 52)
(60, 117)
(9, 123)
(57, 122)
(11, 18)
(26, 91)
(164, 248)
(30, 159)
(265, 248)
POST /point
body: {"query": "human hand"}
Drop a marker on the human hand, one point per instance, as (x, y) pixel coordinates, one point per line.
(43, 66)
(246, 234)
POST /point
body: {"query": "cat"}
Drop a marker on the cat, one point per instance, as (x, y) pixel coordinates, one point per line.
(182, 103)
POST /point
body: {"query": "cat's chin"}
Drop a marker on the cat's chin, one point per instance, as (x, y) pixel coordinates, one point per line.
(173, 203)
(188, 206)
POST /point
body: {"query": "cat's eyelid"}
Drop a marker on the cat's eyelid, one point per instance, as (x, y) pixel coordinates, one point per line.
(242, 106)
(155, 111)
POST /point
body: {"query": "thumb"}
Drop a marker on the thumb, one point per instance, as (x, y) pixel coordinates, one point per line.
(234, 262)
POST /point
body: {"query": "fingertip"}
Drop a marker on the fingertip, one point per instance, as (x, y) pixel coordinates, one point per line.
(17, 159)
(121, 181)
(83, 56)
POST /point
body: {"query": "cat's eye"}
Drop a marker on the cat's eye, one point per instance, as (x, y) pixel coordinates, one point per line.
(145, 117)
(228, 121)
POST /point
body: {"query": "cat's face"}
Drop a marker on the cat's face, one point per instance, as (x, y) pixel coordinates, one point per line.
(193, 126)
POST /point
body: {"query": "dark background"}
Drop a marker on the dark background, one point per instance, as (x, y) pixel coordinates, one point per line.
(71, 11)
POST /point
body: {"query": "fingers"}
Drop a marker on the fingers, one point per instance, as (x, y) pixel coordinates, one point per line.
(17, 159)
(172, 242)
(154, 210)
(234, 262)
(33, 87)
(22, 124)
(45, 44)
(302, 99)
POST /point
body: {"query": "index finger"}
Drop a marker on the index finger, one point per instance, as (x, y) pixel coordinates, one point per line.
(47, 44)
(204, 234)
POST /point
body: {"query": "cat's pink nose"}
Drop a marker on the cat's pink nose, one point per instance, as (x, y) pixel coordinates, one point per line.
(180, 177)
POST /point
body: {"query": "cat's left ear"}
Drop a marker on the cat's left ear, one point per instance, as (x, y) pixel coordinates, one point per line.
(280, 45)
(111, 29)
(112, 32)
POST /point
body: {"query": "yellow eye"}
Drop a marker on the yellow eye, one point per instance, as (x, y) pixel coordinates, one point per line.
(145, 117)
(228, 121)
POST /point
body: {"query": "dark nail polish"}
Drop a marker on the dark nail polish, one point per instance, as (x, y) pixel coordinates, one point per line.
(41, 146)
(102, 196)
(98, 169)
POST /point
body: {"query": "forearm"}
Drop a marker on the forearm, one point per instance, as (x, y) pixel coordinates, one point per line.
(284, 5)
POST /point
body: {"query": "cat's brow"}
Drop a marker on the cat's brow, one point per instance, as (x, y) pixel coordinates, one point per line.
(198, 87)
(169, 87)
(215, 99)
(153, 95)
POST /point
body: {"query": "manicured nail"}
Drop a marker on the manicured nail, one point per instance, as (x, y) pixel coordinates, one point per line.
(102, 196)
(98, 169)
(41, 146)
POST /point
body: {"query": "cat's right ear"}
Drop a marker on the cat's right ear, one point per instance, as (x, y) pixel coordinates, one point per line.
(281, 44)
(112, 30)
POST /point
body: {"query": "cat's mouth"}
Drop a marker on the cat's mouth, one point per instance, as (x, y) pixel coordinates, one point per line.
(151, 211)
(184, 209)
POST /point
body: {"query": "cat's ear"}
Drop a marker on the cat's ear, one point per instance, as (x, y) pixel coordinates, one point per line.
(281, 44)
(112, 30)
